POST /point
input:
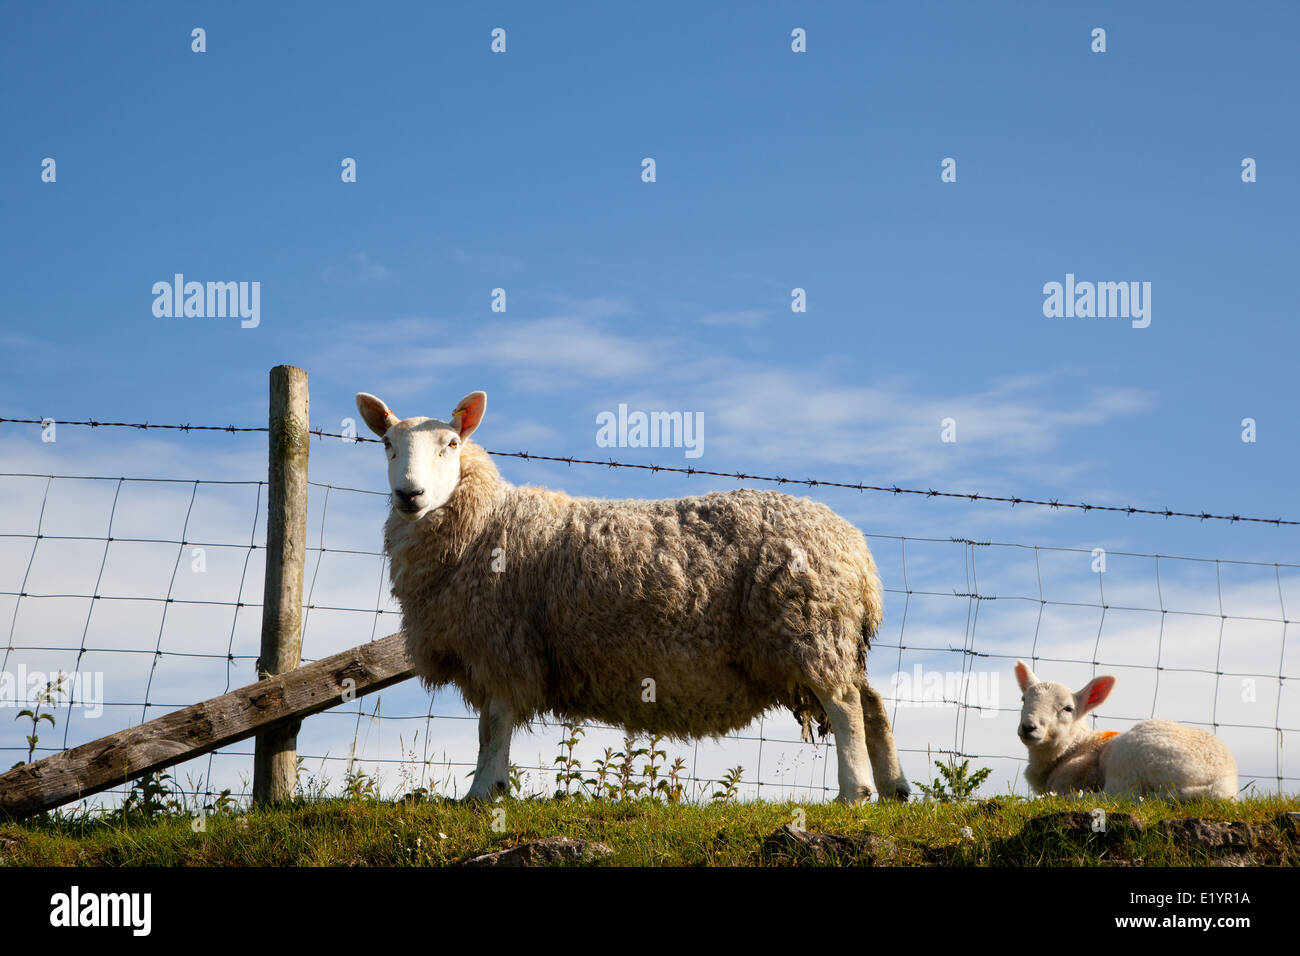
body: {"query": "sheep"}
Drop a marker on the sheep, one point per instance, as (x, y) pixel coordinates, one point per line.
(1153, 757)
(686, 617)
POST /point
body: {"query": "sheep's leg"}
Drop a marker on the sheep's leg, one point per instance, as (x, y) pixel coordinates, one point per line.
(1224, 788)
(844, 707)
(492, 774)
(484, 736)
(885, 769)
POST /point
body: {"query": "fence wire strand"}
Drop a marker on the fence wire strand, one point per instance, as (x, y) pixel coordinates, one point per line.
(909, 604)
(1012, 500)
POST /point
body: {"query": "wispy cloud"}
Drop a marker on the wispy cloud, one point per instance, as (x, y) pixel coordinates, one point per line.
(359, 269)
(496, 262)
(890, 426)
(594, 354)
(543, 354)
(742, 317)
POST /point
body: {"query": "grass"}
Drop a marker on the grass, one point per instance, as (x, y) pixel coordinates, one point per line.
(642, 832)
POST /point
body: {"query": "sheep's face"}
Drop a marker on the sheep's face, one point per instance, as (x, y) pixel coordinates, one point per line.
(1052, 715)
(423, 453)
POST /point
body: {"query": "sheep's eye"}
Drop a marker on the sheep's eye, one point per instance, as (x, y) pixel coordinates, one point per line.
(1068, 708)
(453, 443)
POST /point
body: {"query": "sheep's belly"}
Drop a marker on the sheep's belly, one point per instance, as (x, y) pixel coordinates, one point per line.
(688, 694)
(684, 712)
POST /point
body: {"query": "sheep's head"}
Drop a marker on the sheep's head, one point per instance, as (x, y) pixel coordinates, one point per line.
(1052, 715)
(423, 453)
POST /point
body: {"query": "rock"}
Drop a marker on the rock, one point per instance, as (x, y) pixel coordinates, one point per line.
(1102, 825)
(1068, 836)
(830, 848)
(1287, 823)
(1234, 843)
(549, 851)
(1210, 834)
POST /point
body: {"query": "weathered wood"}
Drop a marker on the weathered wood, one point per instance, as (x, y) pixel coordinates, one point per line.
(198, 729)
(275, 756)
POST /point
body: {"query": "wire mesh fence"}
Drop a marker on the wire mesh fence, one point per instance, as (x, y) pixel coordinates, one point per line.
(145, 594)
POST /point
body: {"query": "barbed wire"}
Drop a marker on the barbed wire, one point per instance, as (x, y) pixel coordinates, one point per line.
(1012, 500)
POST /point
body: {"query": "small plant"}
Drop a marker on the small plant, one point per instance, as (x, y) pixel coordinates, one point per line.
(316, 785)
(406, 771)
(954, 783)
(651, 769)
(626, 786)
(359, 785)
(604, 768)
(222, 802)
(47, 696)
(673, 787)
(570, 769)
(728, 785)
(151, 797)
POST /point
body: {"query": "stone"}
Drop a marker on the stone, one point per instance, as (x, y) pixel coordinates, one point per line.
(549, 851)
(830, 848)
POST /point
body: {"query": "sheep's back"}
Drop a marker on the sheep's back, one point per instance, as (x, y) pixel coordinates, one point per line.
(1159, 755)
(724, 601)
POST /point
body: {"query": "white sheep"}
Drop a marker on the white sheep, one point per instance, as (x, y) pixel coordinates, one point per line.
(1153, 757)
(686, 617)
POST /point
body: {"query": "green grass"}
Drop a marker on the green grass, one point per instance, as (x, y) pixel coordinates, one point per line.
(641, 833)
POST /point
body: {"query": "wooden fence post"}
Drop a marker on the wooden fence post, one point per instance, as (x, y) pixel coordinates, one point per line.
(275, 757)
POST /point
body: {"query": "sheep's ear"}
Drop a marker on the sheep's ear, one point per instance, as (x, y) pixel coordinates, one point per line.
(377, 416)
(1093, 694)
(469, 413)
(1024, 676)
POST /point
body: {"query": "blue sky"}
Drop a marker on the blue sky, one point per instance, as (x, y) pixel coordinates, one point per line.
(775, 170)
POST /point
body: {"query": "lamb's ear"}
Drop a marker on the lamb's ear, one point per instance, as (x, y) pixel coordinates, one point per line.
(1024, 676)
(469, 413)
(377, 416)
(1093, 694)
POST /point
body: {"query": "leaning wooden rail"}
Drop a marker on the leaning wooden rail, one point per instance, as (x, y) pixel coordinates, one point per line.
(201, 728)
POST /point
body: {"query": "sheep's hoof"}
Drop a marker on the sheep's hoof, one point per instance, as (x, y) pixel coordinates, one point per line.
(862, 795)
(899, 791)
(487, 794)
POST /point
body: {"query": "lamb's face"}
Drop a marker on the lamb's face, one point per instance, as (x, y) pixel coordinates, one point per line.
(423, 453)
(1052, 715)
(423, 465)
(1047, 715)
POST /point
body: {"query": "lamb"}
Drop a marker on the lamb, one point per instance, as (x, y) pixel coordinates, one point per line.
(686, 617)
(1153, 757)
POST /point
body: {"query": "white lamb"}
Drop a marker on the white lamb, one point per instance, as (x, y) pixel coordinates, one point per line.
(686, 617)
(1154, 757)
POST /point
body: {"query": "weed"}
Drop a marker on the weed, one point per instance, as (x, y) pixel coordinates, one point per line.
(954, 783)
(729, 786)
(47, 696)
(570, 768)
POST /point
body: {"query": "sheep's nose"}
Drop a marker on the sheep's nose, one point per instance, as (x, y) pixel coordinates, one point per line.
(407, 497)
(1026, 729)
